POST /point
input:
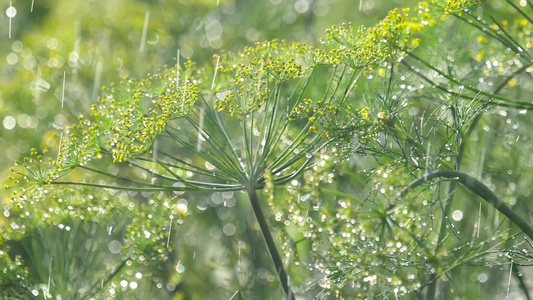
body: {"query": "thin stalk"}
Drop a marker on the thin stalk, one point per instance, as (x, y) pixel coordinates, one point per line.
(221, 160)
(271, 133)
(120, 178)
(281, 122)
(285, 179)
(521, 282)
(496, 99)
(116, 272)
(525, 15)
(193, 186)
(432, 287)
(402, 135)
(273, 120)
(270, 243)
(186, 166)
(247, 140)
(289, 158)
(337, 192)
(478, 188)
(481, 26)
(431, 291)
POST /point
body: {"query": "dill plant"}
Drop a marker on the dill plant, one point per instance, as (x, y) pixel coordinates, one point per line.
(329, 137)
(424, 112)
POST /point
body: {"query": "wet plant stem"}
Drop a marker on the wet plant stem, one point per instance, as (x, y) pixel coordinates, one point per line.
(402, 135)
(432, 288)
(98, 286)
(271, 245)
(521, 282)
(478, 188)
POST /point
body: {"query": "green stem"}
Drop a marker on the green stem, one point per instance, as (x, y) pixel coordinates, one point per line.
(432, 287)
(431, 290)
(402, 135)
(493, 98)
(478, 188)
(521, 283)
(94, 288)
(271, 245)
(200, 186)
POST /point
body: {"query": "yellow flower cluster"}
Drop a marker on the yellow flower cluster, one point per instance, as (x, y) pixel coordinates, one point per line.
(388, 41)
(457, 6)
(243, 80)
(130, 115)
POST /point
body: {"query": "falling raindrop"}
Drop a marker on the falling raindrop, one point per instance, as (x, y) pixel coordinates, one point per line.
(509, 281)
(97, 78)
(215, 75)
(145, 31)
(63, 94)
(234, 294)
(201, 132)
(169, 230)
(11, 12)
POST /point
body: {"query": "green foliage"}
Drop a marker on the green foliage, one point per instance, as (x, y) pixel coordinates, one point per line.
(332, 135)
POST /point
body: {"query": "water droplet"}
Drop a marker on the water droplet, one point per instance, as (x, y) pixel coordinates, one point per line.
(181, 208)
(115, 247)
(457, 215)
(301, 6)
(9, 122)
(11, 11)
